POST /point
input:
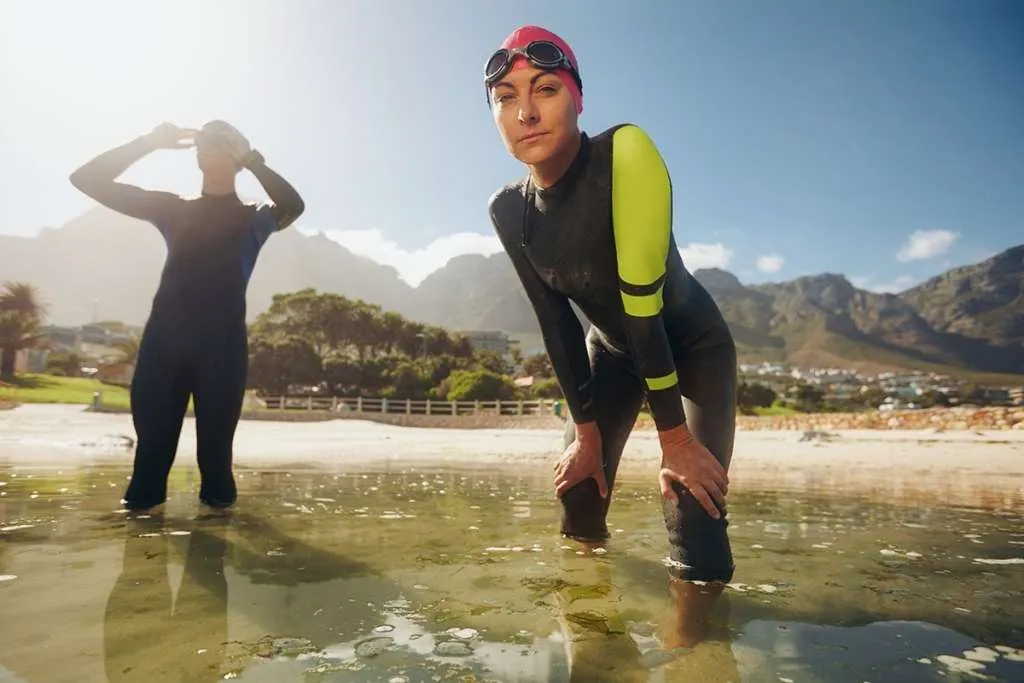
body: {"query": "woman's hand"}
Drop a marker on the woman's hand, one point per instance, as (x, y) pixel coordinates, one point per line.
(582, 459)
(685, 460)
(169, 136)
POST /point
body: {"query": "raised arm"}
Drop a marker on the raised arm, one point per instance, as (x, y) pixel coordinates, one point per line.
(642, 216)
(560, 328)
(98, 178)
(287, 204)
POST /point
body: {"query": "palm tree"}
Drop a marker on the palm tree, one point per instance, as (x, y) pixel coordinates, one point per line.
(21, 314)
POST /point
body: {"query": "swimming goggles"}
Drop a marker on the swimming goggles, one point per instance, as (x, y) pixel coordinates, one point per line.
(542, 54)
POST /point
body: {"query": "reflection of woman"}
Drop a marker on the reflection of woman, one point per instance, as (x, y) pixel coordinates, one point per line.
(592, 224)
(149, 637)
(694, 630)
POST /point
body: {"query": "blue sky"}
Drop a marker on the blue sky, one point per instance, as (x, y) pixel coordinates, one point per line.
(882, 140)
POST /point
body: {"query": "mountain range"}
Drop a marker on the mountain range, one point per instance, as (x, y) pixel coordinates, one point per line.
(103, 265)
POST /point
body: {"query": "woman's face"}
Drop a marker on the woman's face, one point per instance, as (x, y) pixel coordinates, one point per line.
(535, 114)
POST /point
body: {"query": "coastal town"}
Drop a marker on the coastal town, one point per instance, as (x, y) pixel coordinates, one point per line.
(773, 395)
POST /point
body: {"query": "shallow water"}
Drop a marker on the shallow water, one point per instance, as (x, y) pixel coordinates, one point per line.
(411, 574)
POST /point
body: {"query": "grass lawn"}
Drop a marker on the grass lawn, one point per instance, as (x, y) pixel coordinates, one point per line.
(776, 409)
(34, 388)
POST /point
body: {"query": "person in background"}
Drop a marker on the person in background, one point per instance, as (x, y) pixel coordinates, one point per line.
(194, 344)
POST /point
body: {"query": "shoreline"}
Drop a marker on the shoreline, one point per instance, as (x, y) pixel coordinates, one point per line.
(917, 467)
(938, 419)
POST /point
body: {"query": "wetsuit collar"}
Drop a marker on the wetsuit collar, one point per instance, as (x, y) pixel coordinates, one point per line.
(221, 197)
(565, 184)
(561, 188)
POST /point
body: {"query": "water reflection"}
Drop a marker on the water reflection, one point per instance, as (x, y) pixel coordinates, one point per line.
(150, 633)
(433, 575)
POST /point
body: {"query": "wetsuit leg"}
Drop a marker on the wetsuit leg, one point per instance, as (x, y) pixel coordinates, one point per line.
(220, 390)
(617, 396)
(159, 396)
(699, 544)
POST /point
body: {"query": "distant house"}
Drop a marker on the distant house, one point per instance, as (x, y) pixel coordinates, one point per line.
(63, 339)
(489, 340)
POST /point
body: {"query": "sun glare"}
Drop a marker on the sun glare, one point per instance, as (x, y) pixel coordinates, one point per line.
(110, 66)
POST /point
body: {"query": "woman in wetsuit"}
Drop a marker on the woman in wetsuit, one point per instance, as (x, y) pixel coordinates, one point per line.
(195, 341)
(591, 223)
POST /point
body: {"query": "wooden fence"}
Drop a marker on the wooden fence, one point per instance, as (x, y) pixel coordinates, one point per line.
(405, 406)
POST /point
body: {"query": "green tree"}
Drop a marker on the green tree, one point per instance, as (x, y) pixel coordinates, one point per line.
(64, 364)
(972, 393)
(396, 333)
(275, 364)
(538, 365)
(407, 380)
(872, 397)
(323, 320)
(343, 376)
(21, 313)
(479, 385)
(492, 361)
(932, 398)
(462, 347)
(754, 395)
(806, 397)
(546, 388)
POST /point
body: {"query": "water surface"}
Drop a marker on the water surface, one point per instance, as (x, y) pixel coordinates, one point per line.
(406, 574)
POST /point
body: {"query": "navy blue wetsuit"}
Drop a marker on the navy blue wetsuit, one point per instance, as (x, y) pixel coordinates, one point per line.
(195, 340)
(602, 237)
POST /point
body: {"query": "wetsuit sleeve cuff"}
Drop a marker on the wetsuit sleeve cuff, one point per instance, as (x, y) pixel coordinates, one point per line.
(666, 408)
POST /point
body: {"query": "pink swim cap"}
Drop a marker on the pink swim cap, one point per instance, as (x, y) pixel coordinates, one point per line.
(524, 35)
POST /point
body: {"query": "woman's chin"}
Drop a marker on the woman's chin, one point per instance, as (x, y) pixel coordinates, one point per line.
(534, 155)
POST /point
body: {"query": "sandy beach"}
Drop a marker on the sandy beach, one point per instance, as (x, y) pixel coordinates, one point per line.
(974, 468)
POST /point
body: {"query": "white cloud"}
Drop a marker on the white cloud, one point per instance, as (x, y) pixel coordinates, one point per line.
(771, 263)
(696, 255)
(926, 244)
(897, 284)
(415, 265)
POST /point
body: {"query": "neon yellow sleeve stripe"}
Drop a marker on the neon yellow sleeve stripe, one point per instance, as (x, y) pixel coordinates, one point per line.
(664, 382)
(641, 212)
(644, 306)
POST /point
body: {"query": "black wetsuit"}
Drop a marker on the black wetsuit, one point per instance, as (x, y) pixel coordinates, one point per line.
(195, 340)
(655, 331)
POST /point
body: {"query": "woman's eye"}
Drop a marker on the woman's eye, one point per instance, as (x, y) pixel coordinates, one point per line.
(547, 89)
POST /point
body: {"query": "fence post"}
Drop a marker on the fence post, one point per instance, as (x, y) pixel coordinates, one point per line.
(359, 403)
(408, 406)
(428, 406)
(334, 404)
(309, 403)
(383, 406)
(497, 404)
(519, 408)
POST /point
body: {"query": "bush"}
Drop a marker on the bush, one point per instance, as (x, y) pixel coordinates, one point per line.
(479, 385)
(546, 388)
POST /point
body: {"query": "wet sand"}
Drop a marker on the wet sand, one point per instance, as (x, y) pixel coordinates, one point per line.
(974, 468)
